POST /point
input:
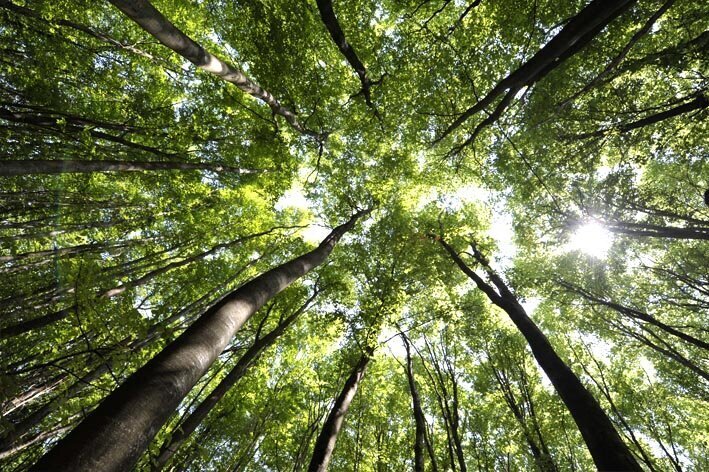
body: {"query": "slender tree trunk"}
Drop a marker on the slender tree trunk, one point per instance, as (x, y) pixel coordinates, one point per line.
(12, 440)
(605, 390)
(35, 323)
(451, 414)
(190, 424)
(117, 432)
(442, 399)
(70, 24)
(635, 314)
(62, 252)
(45, 320)
(42, 436)
(574, 35)
(667, 350)
(539, 452)
(47, 121)
(698, 103)
(327, 13)
(38, 166)
(325, 444)
(154, 333)
(152, 21)
(419, 417)
(646, 28)
(608, 450)
(658, 231)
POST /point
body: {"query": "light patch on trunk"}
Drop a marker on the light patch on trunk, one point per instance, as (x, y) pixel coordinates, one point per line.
(214, 65)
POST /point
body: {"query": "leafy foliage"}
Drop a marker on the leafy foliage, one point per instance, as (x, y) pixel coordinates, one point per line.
(101, 270)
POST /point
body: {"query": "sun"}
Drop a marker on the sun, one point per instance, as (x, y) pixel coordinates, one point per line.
(591, 238)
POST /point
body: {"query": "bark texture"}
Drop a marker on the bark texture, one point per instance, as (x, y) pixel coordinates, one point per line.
(325, 444)
(152, 21)
(40, 166)
(607, 449)
(117, 432)
(190, 424)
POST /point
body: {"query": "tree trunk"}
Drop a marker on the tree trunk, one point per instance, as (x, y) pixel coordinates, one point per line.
(658, 231)
(325, 444)
(635, 314)
(35, 323)
(608, 450)
(12, 440)
(36, 16)
(47, 121)
(39, 166)
(450, 412)
(698, 103)
(574, 35)
(327, 13)
(646, 28)
(155, 332)
(117, 432)
(520, 411)
(419, 417)
(190, 424)
(42, 321)
(152, 21)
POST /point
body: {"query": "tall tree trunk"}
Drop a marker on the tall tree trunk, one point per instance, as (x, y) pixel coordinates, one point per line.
(325, 444)
(541, 455)
(39, 166)
(327, 13)
(155, 332)
(152, 21)
(576, 34)
(605, 390)
(658, 231)
(63, 252)
(608, 450)
(597, 80)
(419, 418)
(36, 16)
(449, 406)
(117, 432)
(635, 314)
(45, 320)
(190, 424)
(49, 122)
(698, 103)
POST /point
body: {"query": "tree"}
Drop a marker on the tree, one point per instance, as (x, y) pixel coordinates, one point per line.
(607, 448)
(325, 443)
(157, 388)
(157, 156)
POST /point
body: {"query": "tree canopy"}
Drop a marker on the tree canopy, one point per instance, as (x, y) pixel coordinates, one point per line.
(429, 235)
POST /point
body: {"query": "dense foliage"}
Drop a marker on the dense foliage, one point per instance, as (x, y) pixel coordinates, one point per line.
(457, 124)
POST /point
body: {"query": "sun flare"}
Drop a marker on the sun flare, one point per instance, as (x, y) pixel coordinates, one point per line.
(591, 238)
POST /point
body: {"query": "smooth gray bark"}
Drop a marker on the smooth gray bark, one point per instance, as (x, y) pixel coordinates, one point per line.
(152, 21)
(607, 449)
(117, 432)
(325, 444)
(40, 166)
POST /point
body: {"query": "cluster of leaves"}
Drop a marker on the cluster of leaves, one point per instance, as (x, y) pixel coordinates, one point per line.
(100, 270)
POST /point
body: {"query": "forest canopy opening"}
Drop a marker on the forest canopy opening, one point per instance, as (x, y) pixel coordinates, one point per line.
(372, 235)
